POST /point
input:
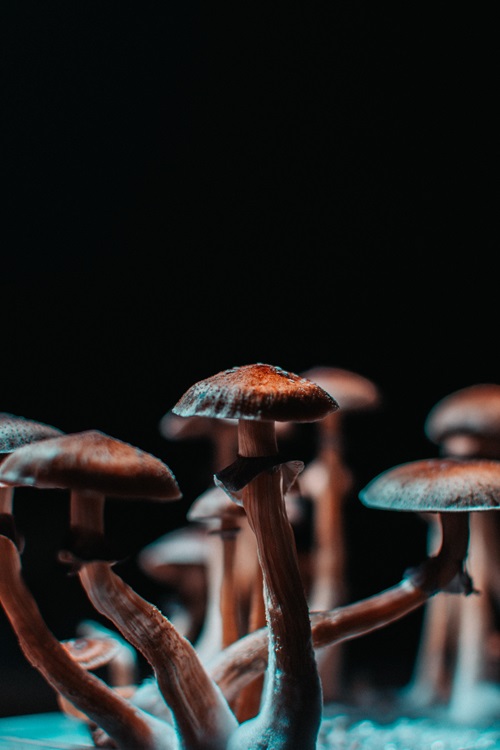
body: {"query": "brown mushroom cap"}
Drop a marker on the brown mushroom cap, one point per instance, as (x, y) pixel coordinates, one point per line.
(17, 431)
(475, 410)
(93, 461)
(436, 484)
(257, 392)
(353, 392)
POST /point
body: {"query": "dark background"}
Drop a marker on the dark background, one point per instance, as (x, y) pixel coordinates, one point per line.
(187, 188)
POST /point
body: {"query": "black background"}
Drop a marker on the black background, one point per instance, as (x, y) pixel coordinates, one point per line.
(189, 187)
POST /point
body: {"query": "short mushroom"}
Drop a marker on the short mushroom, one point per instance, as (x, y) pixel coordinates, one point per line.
(258, 395)
(93, 465)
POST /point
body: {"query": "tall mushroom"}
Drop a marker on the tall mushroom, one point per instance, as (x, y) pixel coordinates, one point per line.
(258, 395)
(222, 520)
(452, 663)
(327, 480)
(93, 465)
(436, 485)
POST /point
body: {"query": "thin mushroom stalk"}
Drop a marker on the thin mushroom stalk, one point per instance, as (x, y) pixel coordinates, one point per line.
(244, 660)
(201, 714)
(290, 712)
(130, 728)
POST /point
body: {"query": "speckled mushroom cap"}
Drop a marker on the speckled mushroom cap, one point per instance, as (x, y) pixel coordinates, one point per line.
(17, 431)
(90, 460)
(436, 484)
(352, 391)
(258, 392)
(474, 410)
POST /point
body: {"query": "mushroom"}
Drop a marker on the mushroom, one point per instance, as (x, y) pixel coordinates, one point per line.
(16, 431)
(440, 486)
(464, 424)
(258, 395)
(222, 520)
(327, 480)
(178, 561)
(93, 465)
(122, 663)
(128, 726)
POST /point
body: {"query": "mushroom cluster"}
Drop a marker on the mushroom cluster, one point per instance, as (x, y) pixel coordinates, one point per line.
(247, 670)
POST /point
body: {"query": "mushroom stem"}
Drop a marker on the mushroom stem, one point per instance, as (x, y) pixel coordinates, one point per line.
(6, 498)
(201, 714)
(126, 725)
(471, 668)
(244, 660)
(87, 510)
(229, 601)
(290, 712)
(209, 640)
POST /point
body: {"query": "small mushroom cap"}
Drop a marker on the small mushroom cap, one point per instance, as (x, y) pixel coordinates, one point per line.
(186, 546)
(90, 460)
(17, 431)
(475, 410)
(258, 392)
(436, 484)
(214, 504)
(353, 392)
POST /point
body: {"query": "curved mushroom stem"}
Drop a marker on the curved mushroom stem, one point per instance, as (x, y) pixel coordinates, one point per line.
(183, 681)
(201, 714)
(290, 713)
(126, 725)
(247, 658)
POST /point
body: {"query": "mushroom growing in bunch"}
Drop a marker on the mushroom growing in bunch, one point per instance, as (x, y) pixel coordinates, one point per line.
(453, 665)
(128, 726)
(464, 488)
(259, 395)
(327, 480)
(93, 466)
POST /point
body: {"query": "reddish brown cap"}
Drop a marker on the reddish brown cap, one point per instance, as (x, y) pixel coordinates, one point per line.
(474, 410)
(90, 460)
(258, 392)
(353, 392)
(436, 484)
(17, 431)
